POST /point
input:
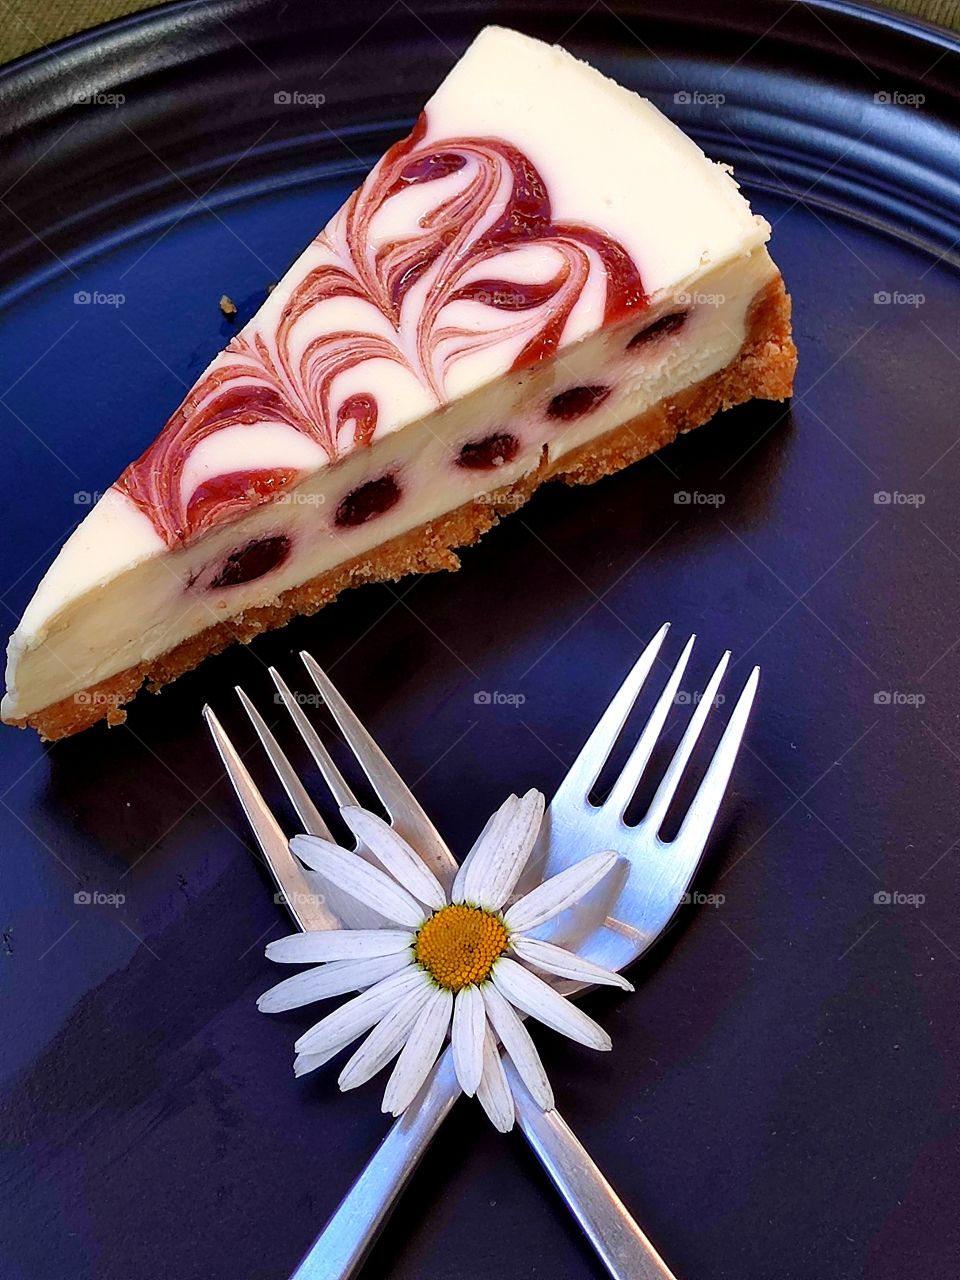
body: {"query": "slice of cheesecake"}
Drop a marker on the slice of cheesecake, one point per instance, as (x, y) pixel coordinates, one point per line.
(545, 279)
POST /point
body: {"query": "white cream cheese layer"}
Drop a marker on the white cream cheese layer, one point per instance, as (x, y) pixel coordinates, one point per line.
(119, 593)
(144, 611)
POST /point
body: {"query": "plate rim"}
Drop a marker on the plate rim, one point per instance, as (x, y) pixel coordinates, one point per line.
(170, 15)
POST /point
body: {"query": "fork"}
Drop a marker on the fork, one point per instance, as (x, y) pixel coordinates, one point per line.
(657, 875)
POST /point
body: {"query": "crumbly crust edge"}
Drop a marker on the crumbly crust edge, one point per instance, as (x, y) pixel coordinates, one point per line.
(762, 369)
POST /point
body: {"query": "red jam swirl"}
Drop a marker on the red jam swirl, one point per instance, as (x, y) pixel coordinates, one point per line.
(490, 202)
(224, 492)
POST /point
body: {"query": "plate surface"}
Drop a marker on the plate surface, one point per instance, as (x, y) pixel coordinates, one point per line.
(781, 1099)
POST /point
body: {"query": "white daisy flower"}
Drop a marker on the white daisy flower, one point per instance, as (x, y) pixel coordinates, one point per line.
(461, 965)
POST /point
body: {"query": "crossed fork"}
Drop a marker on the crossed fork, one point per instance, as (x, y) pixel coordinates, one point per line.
(655, 877)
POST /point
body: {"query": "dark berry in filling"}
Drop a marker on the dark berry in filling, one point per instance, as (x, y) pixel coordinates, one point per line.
(659, 329)
(252, 561)
(369, 500)
(576, 402)
(491, 451)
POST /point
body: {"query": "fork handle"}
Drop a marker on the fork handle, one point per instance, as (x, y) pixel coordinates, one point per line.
(344, 1242)
(342, 1245)
(619, 1243)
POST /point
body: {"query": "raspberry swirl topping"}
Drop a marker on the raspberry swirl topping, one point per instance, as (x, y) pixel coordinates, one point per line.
(490, 205)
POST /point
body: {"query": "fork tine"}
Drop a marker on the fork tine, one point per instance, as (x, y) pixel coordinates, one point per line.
(299, 895)
(621, 793)
(585, 770)
(703, 808)
(322, 758)
(306, 810)
(671, 778)
(408, 818)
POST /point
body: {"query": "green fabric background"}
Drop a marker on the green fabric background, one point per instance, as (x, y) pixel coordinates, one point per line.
(30, 24)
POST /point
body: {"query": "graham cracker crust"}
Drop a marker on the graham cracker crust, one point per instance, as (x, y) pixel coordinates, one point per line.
(762, 369)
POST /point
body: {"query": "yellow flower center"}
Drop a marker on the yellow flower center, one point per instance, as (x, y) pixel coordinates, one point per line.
(459, 944)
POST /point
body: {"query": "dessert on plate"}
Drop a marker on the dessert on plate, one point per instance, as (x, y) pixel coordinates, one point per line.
(546, 279)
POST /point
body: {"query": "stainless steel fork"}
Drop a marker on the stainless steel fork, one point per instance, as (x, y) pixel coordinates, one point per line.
(656, 876)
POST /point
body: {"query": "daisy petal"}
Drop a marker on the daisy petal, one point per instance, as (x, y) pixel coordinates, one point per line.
(496, 823)
(558, 960)
(338, 944)
(532, 995)
(337, 1029)
(420, 1052)
(517, 1042)
(494, 1093)
(502, 853)
(356, 876)
(403, 863)
(333, 979)
(350, 913)
(386, 1039)
(304, 1063)
(559, 892)
(469, 1025)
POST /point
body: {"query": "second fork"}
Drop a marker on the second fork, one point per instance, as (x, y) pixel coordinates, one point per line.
(623, 1248)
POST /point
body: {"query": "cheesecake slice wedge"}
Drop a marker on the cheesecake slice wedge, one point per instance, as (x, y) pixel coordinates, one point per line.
(546, 279)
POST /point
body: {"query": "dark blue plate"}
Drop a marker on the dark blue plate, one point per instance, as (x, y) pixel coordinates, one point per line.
(781, 1099)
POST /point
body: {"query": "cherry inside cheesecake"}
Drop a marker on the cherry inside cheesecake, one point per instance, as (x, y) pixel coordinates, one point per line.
(545, 279)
